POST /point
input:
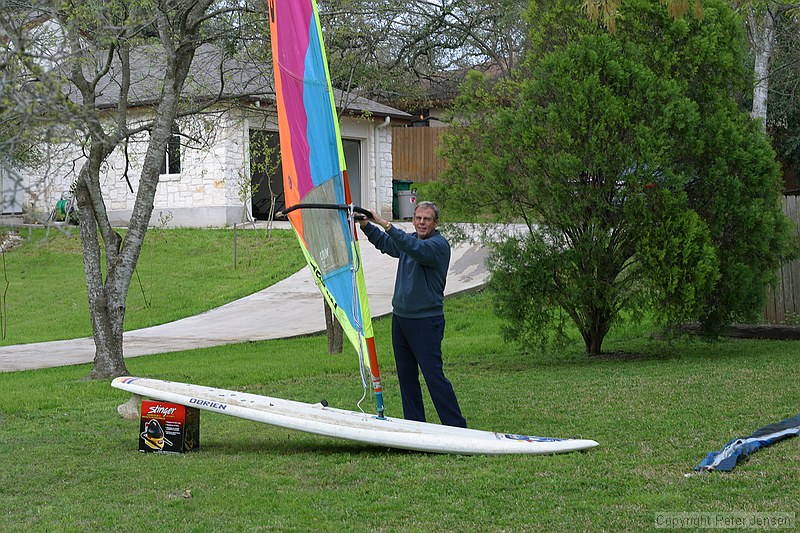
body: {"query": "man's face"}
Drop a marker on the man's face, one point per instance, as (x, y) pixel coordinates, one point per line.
(424, 222)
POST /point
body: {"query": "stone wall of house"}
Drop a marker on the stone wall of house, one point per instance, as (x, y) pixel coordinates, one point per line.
(204, 193)
(384, 167)
(215, 170)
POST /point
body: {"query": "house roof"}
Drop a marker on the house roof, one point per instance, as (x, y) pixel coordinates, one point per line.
(214, 76)
(442, 88)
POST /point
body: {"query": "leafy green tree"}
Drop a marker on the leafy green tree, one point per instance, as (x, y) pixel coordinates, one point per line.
(640, 182)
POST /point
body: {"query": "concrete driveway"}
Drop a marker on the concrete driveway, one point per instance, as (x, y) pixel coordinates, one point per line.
(289, 308)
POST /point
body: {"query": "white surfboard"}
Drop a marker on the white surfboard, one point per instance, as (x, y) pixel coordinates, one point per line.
(349, 425)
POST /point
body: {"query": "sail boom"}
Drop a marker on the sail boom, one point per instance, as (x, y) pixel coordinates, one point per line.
(340, 207)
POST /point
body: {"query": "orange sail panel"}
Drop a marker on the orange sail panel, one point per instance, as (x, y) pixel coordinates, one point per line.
(314, 172)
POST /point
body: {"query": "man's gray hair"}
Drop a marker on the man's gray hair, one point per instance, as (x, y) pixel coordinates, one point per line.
(429, 205)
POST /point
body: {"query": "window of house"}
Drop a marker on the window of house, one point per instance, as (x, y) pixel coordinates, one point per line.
(172, 158)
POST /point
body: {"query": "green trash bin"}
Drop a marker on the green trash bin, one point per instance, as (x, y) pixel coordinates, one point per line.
(397, 186)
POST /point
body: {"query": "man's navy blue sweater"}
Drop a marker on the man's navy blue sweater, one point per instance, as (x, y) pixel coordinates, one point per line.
(421, 270)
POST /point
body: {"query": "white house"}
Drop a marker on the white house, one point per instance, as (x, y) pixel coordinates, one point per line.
(211, 175)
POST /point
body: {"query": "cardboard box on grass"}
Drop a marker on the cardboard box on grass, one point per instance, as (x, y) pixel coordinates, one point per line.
(168, 427)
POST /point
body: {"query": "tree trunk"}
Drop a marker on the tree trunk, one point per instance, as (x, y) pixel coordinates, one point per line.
(105, 310)
(334, 331)
(761, 30)
(106, 307)
(595, 333)
(593, 343)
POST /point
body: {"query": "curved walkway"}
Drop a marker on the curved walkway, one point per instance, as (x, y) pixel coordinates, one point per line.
(264, 315)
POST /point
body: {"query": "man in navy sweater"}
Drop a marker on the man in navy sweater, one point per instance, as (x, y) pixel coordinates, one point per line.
(418, 310)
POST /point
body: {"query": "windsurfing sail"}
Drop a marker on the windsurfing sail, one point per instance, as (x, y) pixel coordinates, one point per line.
(726, 458)
(316, 191)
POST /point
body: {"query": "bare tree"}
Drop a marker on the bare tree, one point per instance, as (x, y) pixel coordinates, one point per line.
(84, 57)
(405, 50)
(763, 21)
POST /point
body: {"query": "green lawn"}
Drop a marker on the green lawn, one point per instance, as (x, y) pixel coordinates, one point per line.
(180, 273)
(69, 462)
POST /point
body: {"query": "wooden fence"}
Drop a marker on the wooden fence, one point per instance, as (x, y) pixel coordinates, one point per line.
(783, 298)
(414, 154)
